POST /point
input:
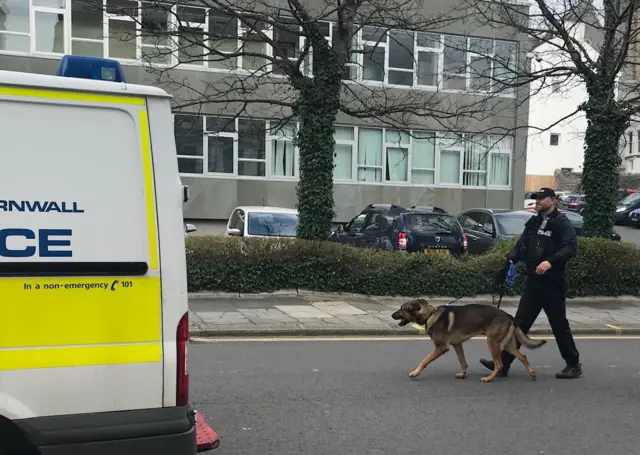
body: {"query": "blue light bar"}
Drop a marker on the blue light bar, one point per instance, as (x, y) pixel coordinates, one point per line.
(101, 69)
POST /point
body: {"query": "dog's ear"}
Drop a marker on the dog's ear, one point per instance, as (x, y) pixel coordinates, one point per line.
(414, 306)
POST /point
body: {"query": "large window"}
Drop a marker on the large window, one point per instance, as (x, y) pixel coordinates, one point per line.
(147, 31)
(235, 147)
(256, 148)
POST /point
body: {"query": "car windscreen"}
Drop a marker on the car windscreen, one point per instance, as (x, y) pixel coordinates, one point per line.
(631, 199)
(512, 223)
(272, 224)
(432, 223)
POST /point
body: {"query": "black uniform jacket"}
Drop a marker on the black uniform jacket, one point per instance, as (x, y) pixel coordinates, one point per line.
(554, 240)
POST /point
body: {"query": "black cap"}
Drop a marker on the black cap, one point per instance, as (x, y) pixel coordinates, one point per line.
(543, 193)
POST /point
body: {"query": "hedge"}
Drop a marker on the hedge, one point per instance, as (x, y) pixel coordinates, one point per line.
(251, 265)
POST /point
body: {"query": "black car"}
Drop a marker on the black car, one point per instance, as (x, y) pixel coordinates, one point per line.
(418, 229)
(627, 205)
(484, 227)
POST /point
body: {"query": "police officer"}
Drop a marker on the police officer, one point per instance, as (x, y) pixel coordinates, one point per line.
(546, 244)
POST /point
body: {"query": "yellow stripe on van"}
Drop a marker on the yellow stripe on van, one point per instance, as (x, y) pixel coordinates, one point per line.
(47, 312)
(72, 96)
(79, 356)
(149, 189)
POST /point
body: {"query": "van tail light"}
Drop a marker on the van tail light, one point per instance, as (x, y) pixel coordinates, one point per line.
(465, 243)
(182, 380)
(402, 241)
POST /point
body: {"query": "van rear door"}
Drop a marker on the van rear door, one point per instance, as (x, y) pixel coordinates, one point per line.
(80, 319)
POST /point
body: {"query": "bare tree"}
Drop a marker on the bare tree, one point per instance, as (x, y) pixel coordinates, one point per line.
(301, 60)
(604, 62)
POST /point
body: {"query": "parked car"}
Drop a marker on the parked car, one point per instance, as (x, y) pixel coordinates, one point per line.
(575, 204)
(419, 229)
(529, 199)
(627, 205)
(626, 192)
(263, 222)
(635, 218)
(189, 228)
(485, 227)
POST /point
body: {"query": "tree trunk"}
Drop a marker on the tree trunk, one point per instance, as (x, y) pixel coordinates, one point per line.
(605, 125)
(317, 108)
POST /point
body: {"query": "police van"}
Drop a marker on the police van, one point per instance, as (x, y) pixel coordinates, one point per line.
(93, 292)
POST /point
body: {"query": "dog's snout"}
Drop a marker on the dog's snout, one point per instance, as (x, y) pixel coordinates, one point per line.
(396, 315)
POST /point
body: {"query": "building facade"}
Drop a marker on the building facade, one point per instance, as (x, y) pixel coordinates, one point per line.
(556, 130)
(228, 161)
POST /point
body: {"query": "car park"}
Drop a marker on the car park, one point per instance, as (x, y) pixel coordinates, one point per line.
(418, 229)
(257, 221)
(634, 218)
(486, 227)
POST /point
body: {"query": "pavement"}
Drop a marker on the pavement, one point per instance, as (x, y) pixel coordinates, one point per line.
(354, 398)
(293, 314)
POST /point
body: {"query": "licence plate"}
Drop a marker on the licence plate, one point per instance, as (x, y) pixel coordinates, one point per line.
(435, 251)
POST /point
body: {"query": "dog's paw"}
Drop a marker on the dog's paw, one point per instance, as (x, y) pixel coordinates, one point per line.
(414, 374)
(486, 379)
(461, 375)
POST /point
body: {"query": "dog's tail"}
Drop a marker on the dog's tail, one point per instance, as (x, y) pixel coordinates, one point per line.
(528, 342)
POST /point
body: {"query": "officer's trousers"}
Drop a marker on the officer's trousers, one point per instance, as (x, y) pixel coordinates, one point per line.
(546, 293)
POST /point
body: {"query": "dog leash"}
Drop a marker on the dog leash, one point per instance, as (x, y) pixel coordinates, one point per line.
(509, 280)
(454, 301)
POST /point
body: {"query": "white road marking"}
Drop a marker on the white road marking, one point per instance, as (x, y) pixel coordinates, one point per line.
(382, 338)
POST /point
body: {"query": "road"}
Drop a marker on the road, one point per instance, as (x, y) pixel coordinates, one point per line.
(354, 398)
(629, 234)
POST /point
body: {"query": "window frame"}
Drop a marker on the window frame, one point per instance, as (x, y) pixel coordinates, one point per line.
(485, 158)
(222, 134)
(498, 146)
(457, 146)
(358, 46)
(271, 137)
(500, 149)
(435, 159)
(386, 145)
(33, 35)
(439, 51)
(353, 143)
(203, 158)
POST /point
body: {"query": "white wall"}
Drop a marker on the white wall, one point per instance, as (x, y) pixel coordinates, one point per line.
(630, 149)
(551, 101)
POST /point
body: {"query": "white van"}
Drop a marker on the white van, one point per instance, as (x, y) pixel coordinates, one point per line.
(93, 292)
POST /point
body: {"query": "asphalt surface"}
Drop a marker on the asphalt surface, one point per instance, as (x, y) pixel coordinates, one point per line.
(629, 234)
(354, 397)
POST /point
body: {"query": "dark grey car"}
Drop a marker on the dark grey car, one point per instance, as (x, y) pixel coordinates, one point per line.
(484, 227)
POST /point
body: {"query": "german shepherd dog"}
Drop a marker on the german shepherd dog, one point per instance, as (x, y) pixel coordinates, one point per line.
(453, 325)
